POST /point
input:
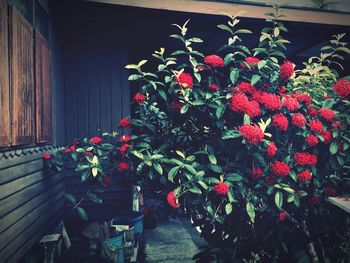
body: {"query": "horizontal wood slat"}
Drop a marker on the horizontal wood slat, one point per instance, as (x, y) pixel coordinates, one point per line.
(22, 80)
(4, 77)
(43, 89)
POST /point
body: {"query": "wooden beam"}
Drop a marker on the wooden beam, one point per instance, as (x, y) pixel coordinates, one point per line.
(216, 8)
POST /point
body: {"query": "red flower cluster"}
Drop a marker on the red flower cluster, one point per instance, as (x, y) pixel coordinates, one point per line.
(246, 87)
(70, 149)
(256, 173)
(302, 97)
(171, 198)
(269, 100)
(280, 168)
(312, 112)
(270, 179)
(239, 102)
(214, 87)
(311, 140)
(298, 120)
(253, 109)
(185, 80)
(328, 114)
(291, 104)
(316, 126)
(96, 140)
(139, 98)
(286, 70)
(123, 167)
(305, 159)
(177, 105)
(282, 216)
(124, 139)
(251, 61)
(342, 88)
(305, 176)
(125, 123)
(271, 149)
(280, 122)
(221, 189)
(106, 181)
(327, 137)
(123, 149)
(47, 156)
(214, 61)
(330, 191)
(252, 133)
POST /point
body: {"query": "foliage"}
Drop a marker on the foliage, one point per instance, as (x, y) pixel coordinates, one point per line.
(234, 137)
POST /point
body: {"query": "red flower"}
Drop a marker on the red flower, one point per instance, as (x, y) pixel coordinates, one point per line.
(253, 109)
(47, 156)
(269, 100)
(70, 149)
(330, 191)
(139, 98)
(327, 96)
(106, 181)
(315, 200)
(280, 122)
(280, 168)
(177, 105)
(123, 149)
(251, 61)
(282, 216)
(214, 87)
(246, 87)
(125, 123)
(88, 154)
(337, 125)
(312, 112)
(214, 61)
(252, 133)
(185, 80)
(328, 114)
(302, 97)
(124, 139)
(291, 104)
(283, 89)
(172, 201)
(305, 159)
(327, 137)
(239, 102)
(342, 88)
(304, 176)
(286, 70)
(256, 173)
(298, 120)
(270, 179)
(96, 140)
(221, 189)
(311, 140)
(123, 167)
(271, 149)
(316, 126)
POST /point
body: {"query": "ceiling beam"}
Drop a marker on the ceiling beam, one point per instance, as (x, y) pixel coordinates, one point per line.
(216, 8)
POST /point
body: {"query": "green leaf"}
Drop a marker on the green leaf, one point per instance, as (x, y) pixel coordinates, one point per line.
(234, 177)
(220, 110)
(231, 134)
(255, 79)
(81, 167)
(137, 154)
(92, 197)
(279, 199)
(163, 95)
(190, 169)
(226, 28)
(261, 64)
(212, 159)
(328, 103)
(184, 109)
(250, 211)
(82, 213)
(70, 198)
(228, 208)
(142, 62)
(333, 148)
(94, 171)
(172, 173)
(215, 168)
(178, 52)
(158, 168)
(195, 40)
(246, 119)
(198, 103)
(195, 190)
(181, 154)
(234, 75)
(134, 77)
(243, 31)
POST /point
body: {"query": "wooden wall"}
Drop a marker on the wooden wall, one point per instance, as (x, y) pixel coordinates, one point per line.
(31, 201)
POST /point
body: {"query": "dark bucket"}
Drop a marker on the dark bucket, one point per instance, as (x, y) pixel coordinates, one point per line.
(112, 249)
(134, 219)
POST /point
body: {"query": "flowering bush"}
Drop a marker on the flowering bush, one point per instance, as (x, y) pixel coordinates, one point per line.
(234, 136)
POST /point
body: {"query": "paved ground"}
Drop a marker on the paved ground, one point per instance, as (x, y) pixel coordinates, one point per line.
(174, 240)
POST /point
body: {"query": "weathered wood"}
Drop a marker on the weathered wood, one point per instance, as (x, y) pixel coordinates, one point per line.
(43, 89)
(31, 234)
(4, 77)
(27, 207)
(22, 80)
(16, 200)
(21, 225)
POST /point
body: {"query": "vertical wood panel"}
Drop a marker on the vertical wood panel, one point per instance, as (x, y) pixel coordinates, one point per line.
(22, 80)
(43, 89)
(4, 77)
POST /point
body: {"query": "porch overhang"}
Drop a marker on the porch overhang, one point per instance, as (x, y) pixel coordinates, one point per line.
(217, 8)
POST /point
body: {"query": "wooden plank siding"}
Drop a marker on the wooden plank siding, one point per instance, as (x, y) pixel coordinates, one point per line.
(4, 77)
(22, 80)
(31, 201)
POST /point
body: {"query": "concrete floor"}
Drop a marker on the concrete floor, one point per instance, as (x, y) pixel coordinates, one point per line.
(174, 240)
